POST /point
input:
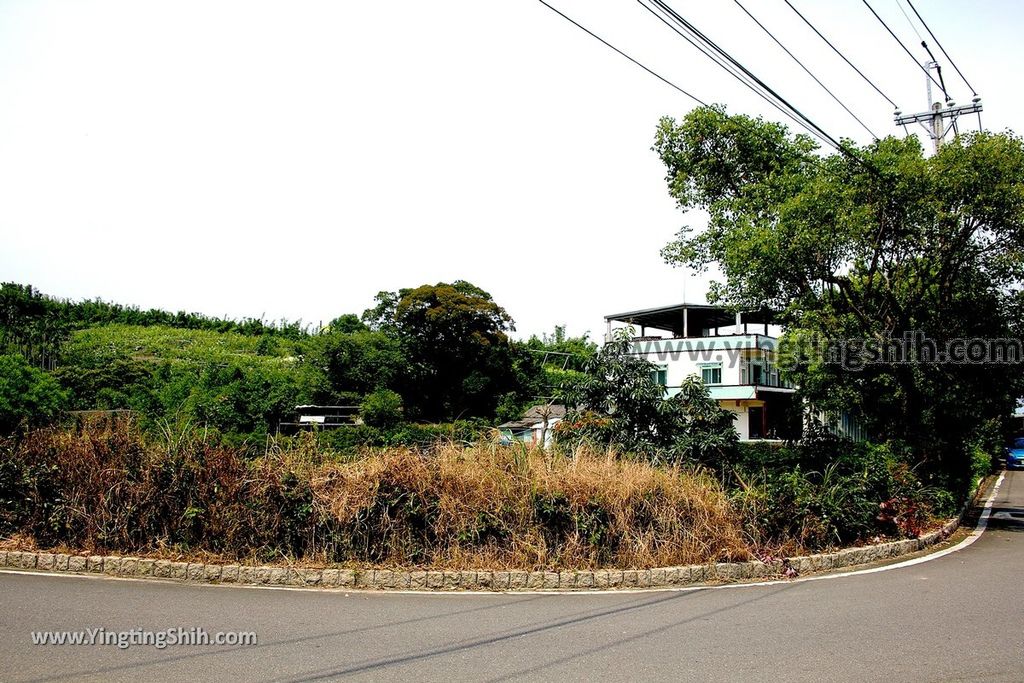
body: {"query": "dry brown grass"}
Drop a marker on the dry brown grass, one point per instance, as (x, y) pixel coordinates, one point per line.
(485, 506)
(494, 506)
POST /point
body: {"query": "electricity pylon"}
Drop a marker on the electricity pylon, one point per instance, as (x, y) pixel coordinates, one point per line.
(934, 121)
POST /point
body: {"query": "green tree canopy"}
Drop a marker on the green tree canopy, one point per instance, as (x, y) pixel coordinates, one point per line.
(28, 396)
(31, 324)
(360, 361)
(866, 245)
(347, 322)
(454, 336)
(618, 402)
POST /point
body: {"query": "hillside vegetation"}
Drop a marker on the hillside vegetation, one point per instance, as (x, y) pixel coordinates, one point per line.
(433, 354)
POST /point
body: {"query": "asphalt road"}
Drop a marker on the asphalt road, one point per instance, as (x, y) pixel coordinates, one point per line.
(958, 617)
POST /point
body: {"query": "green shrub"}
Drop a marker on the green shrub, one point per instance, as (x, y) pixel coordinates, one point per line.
(381, 409)
(28, 396)
(863, 491)
(350, 439)
(430, 434)
(981, 464)
(415, 435)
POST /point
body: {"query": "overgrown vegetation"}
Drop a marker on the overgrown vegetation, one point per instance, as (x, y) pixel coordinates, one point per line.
(28, 396)
(860, 248)
(107, 489)
(827, 492)
(437, 353)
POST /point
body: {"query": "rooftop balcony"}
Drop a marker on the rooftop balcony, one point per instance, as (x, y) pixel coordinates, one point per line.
(689, 321)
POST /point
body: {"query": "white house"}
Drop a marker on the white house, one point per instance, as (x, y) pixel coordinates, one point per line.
(733, 353)
(535, 426)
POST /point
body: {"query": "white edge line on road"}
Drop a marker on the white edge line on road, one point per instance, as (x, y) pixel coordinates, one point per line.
(979, 529)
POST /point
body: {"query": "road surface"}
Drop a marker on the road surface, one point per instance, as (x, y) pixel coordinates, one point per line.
(958, 617)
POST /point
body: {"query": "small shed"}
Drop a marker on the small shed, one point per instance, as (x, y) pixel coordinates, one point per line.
(320, 417)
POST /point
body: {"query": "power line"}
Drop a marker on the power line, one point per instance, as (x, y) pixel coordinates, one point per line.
(650, 71)
(925, 24)
(694, 31)
(705, 51)
(806, 122)
(730, 69)
(836, 50)
(808, 71)
(905, 49)
(904, 13)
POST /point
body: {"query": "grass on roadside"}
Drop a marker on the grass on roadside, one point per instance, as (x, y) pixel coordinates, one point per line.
(485, 506)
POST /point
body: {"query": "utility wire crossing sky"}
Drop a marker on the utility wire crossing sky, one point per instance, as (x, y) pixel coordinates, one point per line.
(258, 159)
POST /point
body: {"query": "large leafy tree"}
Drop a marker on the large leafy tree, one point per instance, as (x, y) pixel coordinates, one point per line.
(616, 401)
(868, 245)
(454, 336)
(358, 362)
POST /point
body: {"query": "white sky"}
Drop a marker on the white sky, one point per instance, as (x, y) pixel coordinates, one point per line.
(292, 159)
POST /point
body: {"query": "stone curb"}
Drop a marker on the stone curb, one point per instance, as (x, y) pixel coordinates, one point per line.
(447, 580)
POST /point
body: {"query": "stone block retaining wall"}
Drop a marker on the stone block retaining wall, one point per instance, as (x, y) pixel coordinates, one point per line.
(389, 579)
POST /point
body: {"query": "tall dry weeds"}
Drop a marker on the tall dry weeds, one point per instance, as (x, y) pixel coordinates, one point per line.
(108, 489)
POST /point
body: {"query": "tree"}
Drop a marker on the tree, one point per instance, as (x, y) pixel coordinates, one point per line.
(454, 336)
(381, 409)
(617, 402)
(703, 431)
(359, 362)
(28, 396)
(347, 322)
(866, 245)
(31, 324)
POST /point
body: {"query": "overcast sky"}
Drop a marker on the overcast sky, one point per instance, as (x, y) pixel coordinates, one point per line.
(292, 159)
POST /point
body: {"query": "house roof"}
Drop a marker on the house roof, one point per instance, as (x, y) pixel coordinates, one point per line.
(535, 416)
(699, 317)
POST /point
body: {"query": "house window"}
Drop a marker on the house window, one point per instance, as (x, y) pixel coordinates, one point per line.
(711, 374)
(756, 374)
(660, 376)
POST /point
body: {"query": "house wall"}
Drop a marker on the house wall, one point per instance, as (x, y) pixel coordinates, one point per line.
(547, 434)
(739, 418)
(532, 435)
(737, 391)
(735, 354)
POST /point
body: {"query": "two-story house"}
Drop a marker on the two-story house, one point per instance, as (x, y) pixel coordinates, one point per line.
(733, 353)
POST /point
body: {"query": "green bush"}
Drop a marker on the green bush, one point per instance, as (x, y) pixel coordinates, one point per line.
(981, 464)
(28, 396)
(420, 436)
(862, 491)
(351, 439)
(381, 409)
